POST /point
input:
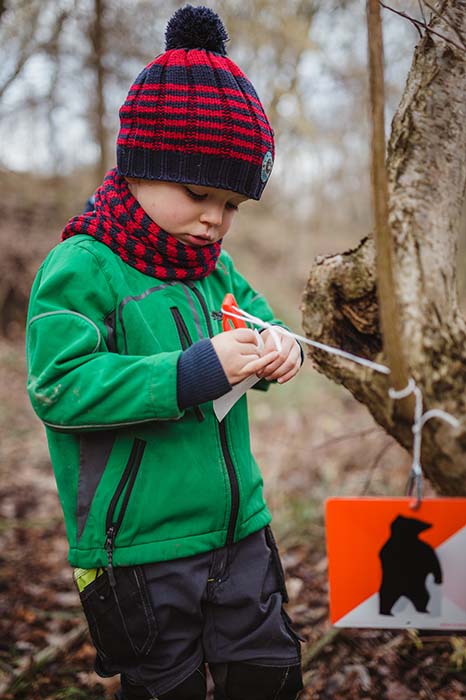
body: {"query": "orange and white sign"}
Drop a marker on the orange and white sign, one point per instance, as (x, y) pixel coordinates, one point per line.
(391, 566)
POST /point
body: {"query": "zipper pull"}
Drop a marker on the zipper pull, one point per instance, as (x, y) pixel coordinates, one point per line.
(109, 544)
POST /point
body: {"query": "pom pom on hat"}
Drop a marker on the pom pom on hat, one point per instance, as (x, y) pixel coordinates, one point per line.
(196, 28)
(192, 116)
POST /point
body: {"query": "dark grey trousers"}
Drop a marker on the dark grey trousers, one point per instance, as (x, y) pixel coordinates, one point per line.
(162, 621)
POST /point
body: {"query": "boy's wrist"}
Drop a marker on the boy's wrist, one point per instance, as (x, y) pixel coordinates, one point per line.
(201, 376)
(261, 330)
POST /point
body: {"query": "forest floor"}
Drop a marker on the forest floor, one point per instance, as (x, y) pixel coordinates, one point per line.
(313, 441)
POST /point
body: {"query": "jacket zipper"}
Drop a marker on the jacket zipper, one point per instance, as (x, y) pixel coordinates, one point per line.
(128, 478)
(234, 487)
(186, 342)
(204, 309)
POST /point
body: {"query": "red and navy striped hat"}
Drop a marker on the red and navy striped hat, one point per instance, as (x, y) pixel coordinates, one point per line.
(192, 116)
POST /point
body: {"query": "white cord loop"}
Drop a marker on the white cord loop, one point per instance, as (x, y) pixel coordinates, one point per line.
(420, 419)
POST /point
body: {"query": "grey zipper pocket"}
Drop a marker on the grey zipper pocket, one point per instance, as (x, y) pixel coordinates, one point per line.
(127, 480)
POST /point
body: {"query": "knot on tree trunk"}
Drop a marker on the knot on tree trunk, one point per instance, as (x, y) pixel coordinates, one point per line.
(340, 304)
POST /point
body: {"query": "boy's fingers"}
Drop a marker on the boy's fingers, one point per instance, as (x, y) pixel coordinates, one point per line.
(256, 366)
(273, 367)
(289, 375)
(284, 362)
(280, 369)
(249, 349)
(285, 379)
(244, 335)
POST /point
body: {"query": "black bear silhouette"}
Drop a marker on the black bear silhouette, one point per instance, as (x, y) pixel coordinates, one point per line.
(406, 563)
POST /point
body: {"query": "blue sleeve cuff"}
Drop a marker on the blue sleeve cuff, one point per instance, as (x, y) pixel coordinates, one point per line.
(200, 375)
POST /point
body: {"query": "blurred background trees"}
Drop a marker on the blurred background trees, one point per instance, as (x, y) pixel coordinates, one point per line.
(66, 69)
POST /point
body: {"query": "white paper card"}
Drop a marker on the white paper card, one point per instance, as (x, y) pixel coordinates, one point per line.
(223, 404)
(228, 400)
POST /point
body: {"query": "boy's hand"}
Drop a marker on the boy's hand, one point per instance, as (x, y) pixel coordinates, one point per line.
(240, 355)
(288, 361)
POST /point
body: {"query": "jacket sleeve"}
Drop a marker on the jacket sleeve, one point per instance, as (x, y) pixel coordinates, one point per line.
(74, 381)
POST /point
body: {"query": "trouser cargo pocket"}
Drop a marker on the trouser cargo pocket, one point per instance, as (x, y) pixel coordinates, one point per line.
(272, 545)
(281, 582)
(121, 619)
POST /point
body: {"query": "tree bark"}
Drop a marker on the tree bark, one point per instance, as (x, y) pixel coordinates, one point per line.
(426, 168)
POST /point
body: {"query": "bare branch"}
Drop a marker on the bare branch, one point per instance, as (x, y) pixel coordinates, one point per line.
(385, 447)
(421, 9)
(447, 21)
(27, 48)
(30, 46)
(425, 26)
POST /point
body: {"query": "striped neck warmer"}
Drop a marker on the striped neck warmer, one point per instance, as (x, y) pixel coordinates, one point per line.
(121, 223)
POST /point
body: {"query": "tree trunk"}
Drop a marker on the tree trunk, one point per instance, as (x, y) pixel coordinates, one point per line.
(97, 61)
(426, 167)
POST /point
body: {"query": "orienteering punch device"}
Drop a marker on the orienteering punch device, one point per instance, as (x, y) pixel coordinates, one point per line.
(229, 305)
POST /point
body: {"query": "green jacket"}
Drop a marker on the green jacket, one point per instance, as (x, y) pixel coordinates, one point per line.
(139, 479)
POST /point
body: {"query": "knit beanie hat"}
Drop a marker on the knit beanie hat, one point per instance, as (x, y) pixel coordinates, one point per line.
(193, 117)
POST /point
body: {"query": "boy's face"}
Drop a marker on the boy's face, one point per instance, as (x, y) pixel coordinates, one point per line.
(194, 214)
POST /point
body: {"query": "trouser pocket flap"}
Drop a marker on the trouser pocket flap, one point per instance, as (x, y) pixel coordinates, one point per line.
(121, 618)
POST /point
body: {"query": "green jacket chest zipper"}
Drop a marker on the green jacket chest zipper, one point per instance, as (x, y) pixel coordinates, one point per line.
(233, 479)
(112, 524)
(186, 342)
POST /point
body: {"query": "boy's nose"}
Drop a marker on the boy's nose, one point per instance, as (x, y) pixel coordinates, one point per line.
(212, 215)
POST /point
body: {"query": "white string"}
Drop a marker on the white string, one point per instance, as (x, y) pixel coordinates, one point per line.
(412, 388)
(420, 418)
(438, 413)
(244, 316)
(403, 393)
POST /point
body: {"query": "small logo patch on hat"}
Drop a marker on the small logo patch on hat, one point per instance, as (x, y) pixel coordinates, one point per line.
(267, 165)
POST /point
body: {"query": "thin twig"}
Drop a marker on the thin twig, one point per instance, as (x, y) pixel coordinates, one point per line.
(310, 653)
(343, 438)
(447, 21)
(421, 9)
(327, 443)
(427, 689)
(375, 464)
(413, 20)
(428, 29)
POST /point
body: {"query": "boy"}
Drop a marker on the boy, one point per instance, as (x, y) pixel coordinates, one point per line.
(168, 530)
